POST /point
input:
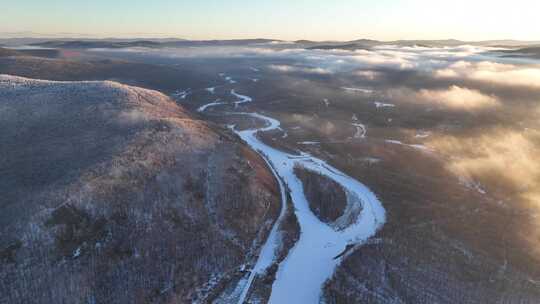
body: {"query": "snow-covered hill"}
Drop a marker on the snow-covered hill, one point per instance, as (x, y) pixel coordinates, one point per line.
(114, 194)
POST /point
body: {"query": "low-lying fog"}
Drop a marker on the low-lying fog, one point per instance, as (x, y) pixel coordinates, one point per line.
(473, 106)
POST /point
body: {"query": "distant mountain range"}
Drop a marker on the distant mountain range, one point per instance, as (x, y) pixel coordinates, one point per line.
(366, 43)
(146, 43)
(125, 43)
(82, 43)
(48, 53)
(531, 52)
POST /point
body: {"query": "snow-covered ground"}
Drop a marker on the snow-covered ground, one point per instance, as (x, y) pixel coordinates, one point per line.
(397, 142)
(326, 102)
(241, 98)
(182, 94)
(312, 261)
(208, 105)
(383, 105)
(230, 80)
(360, 130)
(227, 78)
(358, 90)
(422, 134)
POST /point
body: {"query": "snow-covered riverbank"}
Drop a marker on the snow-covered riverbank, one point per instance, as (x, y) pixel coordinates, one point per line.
(312, 261)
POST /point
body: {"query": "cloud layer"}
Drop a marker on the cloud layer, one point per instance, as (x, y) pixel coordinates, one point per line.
(458, 98)
(493, 72)
(505, 158)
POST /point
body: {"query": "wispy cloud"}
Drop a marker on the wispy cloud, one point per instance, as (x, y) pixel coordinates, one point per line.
(492, 72)
(294, 69)
(505, 158)
(459, 98)
(453, 97)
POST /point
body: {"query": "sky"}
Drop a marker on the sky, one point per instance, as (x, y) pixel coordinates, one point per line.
(277, 19)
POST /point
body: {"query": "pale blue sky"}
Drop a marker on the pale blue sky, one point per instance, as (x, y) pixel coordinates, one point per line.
(280, 19)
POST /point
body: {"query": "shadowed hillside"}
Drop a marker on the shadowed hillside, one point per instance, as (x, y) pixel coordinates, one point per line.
(113, 194)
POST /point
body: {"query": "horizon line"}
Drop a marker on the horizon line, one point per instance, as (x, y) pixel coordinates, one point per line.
(150, 36)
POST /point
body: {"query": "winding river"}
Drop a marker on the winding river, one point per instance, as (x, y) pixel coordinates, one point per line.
(312, 261)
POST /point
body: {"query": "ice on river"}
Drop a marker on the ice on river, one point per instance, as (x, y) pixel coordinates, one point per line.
(311, 262)
(208, 105)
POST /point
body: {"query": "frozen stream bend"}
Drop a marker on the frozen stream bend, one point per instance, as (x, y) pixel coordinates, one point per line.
(311, 261)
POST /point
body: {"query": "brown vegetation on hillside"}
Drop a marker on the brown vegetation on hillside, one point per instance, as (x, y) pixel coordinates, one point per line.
(113, 194)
